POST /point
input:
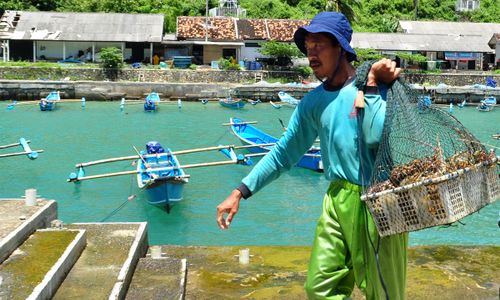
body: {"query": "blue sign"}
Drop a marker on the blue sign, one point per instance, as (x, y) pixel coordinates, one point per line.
(460, 55)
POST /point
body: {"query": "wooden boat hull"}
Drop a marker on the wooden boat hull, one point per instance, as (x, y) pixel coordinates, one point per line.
(150, 102)
(234, 104)
(49, 103)
(250, 135)
(163, 187)
(285, 97)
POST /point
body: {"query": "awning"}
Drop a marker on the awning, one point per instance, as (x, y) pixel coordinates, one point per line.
(461, 55)
(206, 43)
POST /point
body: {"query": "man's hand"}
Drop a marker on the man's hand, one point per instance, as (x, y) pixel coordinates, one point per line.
(229, 206)
(384, 71)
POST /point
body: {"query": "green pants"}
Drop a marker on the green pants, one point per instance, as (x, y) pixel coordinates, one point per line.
(342, 253)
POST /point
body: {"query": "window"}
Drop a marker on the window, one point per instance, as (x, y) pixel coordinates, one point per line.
(227, 53)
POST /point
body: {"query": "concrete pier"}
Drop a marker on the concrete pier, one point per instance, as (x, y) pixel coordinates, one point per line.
(115, 265)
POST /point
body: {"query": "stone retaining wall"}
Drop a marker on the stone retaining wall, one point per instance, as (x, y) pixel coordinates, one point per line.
(141, 75)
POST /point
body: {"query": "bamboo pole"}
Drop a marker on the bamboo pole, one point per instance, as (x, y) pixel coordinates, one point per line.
(107, 160)
(199, 165)
(19, 153)
(187, 151)
(13, 145)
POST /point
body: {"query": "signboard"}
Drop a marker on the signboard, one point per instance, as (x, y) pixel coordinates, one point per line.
(461, 55)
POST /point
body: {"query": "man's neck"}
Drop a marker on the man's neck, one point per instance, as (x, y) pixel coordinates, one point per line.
(345, 72)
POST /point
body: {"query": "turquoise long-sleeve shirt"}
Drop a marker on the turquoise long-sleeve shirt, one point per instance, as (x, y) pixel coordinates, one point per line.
(331, 116)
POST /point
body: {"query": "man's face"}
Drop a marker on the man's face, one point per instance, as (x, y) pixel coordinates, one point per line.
(323, 54)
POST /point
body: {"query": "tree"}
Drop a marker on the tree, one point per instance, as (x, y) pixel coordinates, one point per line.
(280, 49)
(415, 7)
(111, 61)
(346, 7)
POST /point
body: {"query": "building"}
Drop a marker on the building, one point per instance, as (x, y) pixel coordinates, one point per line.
(208, 39)
(494, 43)
(64, 36)
(467, 5)
(58, 36)
(462, 43)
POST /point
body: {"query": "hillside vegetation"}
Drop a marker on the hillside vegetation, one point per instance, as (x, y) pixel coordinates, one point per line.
(366, 15)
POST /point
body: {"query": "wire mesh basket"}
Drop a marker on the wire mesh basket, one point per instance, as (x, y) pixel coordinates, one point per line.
(435, 201)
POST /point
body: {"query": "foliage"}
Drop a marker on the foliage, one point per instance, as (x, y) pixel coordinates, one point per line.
(280, 49)
(111, 58)
(365, 15)
(304, 71)
(412, 58)
(193, 67)
(366, 54)
(228, 64)
(344, 6)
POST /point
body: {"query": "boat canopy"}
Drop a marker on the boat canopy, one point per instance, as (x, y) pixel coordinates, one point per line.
(154, 147)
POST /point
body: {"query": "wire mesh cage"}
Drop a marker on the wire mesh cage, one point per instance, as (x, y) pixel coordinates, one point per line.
(429, 169)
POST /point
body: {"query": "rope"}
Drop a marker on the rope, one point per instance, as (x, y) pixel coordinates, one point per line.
(361, 82)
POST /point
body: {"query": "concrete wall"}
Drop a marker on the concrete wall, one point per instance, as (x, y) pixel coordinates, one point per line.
(142, 75)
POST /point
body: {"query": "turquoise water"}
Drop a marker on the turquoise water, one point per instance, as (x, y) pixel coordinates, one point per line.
(283, 213)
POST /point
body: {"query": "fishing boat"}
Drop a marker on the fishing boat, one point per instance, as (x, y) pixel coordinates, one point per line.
(160, 175)
(230, 102)
(487, 104)
(254, 102)
(49, 103)
(158, 171)
(263, 142)
(274, 105)
(151, 101)
(287, 98)
(462, 104)
(424, 103)
(31, 154)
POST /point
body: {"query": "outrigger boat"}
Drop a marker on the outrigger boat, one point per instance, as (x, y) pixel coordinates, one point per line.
(159, 172)
(487, 104)
(232, 103)
(263, 143)
(31, 154)
(287, 98)
(151, 101)
(424, 103)
(49, 103)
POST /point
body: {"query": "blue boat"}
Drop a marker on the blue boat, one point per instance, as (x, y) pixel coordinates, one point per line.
(49, 103)
(232, 103)
(250, 135)
(151, 101)
(424, 103)
(285, 97)
(158, 172)
(487, 104)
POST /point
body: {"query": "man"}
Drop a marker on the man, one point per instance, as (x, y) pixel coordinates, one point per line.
(346, 248)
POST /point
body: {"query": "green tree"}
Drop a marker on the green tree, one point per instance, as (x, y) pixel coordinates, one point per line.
(111, 58)
(280, 49)
(344, 6)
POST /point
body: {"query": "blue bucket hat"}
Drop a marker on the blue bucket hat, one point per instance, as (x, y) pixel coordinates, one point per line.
(333, 23)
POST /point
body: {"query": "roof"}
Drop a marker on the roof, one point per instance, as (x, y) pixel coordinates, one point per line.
(419, 42)
(68, 26)
(233, 29)
(437, 27)
(495, 39)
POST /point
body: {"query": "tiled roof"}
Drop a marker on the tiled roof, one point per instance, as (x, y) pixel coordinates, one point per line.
(231, 29)
(219, 28)
(252, 29)
(283, 30)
